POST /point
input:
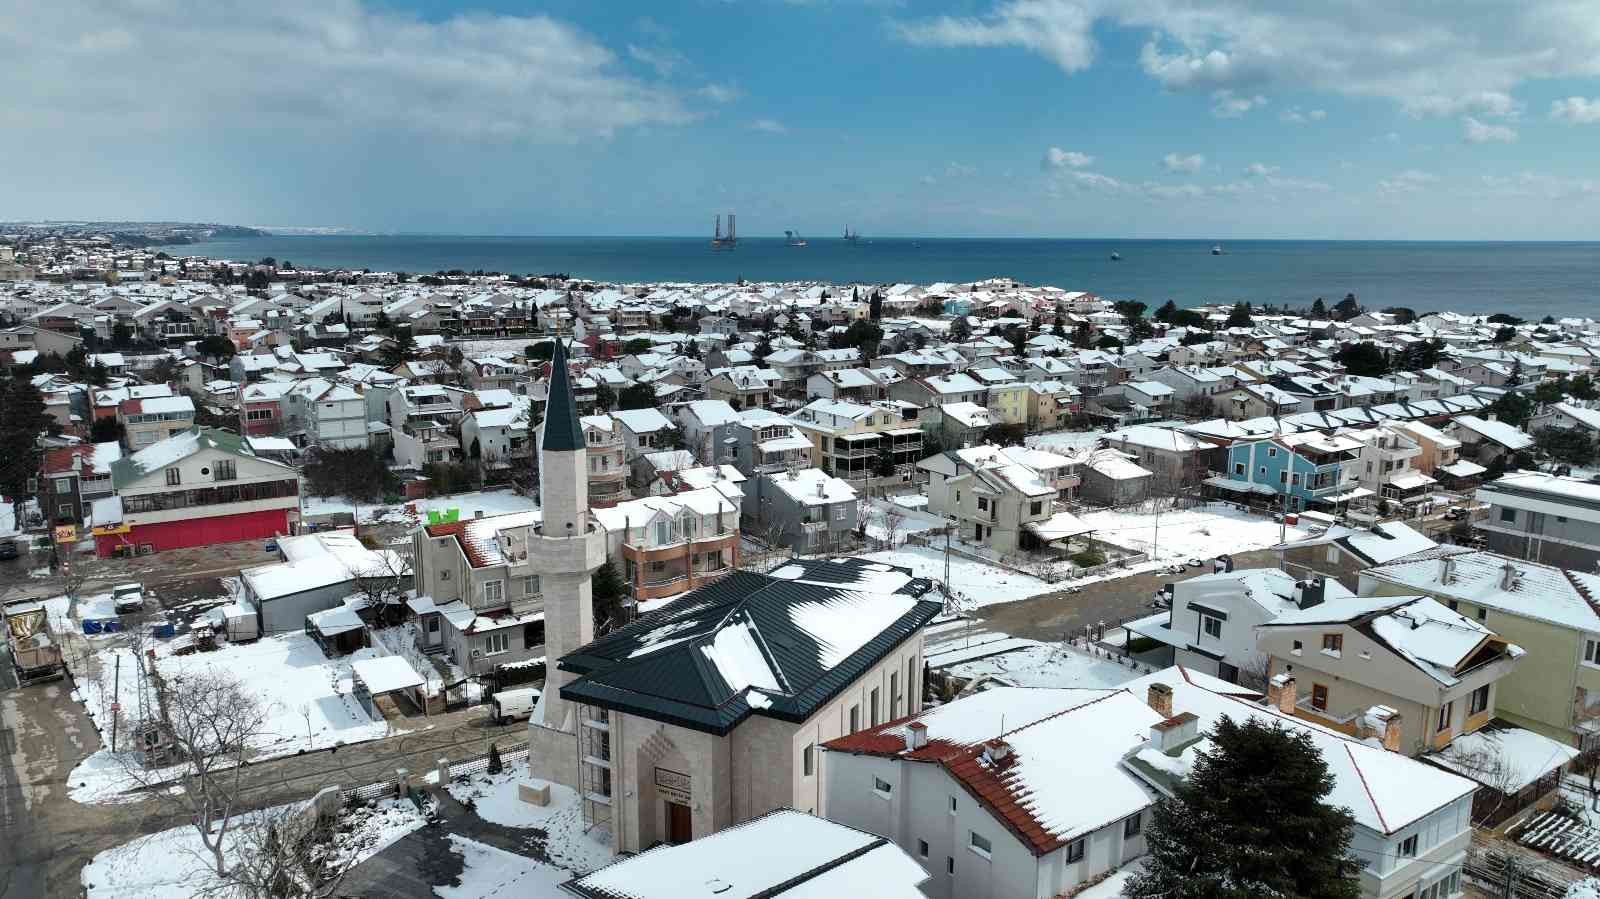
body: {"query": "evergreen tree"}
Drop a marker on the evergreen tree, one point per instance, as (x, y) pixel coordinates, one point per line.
(960, 331)
(22, 420)
(1582, 388)
(1239, 317)
(637, 396)
(97, 376)
(875, 305)
(1059, 329)
(1363, 358)
(1318, 309)
(607, 591)
(1347, 308)
(1513, 408)
(495, 766)
(1515, 377)
(401, 346)
(1250, 821)
(605, 399)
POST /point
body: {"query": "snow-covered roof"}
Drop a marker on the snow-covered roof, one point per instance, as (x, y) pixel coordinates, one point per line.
(784, 853)
(1540, 592)
(1504, 758)
(813, 487)
(386, 674)
(1507, 435)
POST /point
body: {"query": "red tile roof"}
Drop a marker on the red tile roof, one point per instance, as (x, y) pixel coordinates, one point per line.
(988, 783)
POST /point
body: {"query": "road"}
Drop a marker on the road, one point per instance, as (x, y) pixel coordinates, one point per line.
(45, 844)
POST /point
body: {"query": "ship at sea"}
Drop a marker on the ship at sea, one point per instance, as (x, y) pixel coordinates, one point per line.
(851, 236)
(1216, 250)
(721, 242)
(793, 239)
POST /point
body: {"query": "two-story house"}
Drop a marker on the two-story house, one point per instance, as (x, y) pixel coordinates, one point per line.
(1433, 666)
(199, 487)
(1310, 468)
(327, 414)
(72, 478)
(1385, 465)
(765, 442)
(1542, 518)
(146, 422)
(804, 509)
(863, 444)
(1548, 611)
(993, 497)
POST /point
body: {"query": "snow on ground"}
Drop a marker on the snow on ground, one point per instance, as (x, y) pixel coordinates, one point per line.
(494, 798)
(515, 346)
(911, 520)
(173, 864)
(1203, 532)
(983, 584)
(293, 680)
(489, 502)
(492, 872)
(1048, 665)
(306, 697)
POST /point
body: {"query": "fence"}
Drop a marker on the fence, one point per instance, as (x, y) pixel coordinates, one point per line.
(387, 788)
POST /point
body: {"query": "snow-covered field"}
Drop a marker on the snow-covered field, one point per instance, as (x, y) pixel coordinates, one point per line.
(983, 584)
(1049, 665)
(495, 799)
(293, 680)
(306, 697)
(172, 864)
(489, 502)
(908, 519)
(1203, 532)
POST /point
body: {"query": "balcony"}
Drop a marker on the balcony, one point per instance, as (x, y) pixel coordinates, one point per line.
(814, 527)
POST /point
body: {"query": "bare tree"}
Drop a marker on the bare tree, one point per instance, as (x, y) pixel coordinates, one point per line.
(1253, 674)
(205, 721)
(891, 518)
(385, 581)
(288, 852)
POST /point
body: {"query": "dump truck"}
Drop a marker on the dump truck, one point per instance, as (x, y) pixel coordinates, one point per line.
(35, 650)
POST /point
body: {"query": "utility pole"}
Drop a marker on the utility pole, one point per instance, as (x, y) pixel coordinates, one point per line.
(116, 700)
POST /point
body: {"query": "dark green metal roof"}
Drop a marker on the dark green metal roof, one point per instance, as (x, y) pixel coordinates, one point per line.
(679, 684)
(562, 433)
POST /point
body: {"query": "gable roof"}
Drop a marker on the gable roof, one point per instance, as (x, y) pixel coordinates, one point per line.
(775, 645)
(178, 447)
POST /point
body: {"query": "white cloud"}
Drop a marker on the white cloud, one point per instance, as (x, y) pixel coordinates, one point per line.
(1491, 104)
(1407, 182)
(1267, 188)
(1260, 169)
(1225, 104)
(1479, 132)
(314, 67)
(719, 93)
(1483, 50)
(1576, 110)
(1058, 30)
(768, 126)
(1186, 165)
(1057, 158)
(959, 170)
(1548, 187)
(665, 60)
(1294, 115)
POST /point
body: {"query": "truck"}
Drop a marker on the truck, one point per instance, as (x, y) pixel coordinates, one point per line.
(35, 650)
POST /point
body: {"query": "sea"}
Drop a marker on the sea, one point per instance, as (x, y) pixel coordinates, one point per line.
(1529, 280)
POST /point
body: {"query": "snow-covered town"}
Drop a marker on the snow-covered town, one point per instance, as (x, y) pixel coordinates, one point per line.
(352, 583)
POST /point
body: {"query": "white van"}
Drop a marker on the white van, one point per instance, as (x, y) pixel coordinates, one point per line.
(511, 705)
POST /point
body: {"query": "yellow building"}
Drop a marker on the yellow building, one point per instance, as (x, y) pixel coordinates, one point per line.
(1550, 612)
(1008, 403)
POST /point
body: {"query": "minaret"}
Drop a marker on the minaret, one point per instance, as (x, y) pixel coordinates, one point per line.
(565, 552)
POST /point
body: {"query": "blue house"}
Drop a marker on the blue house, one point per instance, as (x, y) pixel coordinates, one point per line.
(1310, 467)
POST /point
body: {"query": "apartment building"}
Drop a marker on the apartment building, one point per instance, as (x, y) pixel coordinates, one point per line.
(862, 444)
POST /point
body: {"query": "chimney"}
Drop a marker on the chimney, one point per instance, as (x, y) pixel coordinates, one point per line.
(1383, 722)
(916, 736)
(1311, 593)
(1160, 698)
(1508, 576)
(1175, 731)
(1281, 692)
(997, 752)
(1447, 570)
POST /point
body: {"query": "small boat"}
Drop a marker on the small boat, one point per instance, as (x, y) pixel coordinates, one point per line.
(1216, 249)
(1115, 256)
(851, 236)
(792, 239)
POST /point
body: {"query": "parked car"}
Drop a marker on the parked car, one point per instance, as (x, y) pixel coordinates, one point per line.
(513, 705)
(8, 549)
(127, 597)
(1455, 513)
(1194, 563)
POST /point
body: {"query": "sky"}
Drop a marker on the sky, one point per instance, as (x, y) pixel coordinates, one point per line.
(1212, 119)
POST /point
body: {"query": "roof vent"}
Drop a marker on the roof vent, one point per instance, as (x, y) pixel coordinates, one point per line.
(997, 752)
(717, 885)
(916, 736)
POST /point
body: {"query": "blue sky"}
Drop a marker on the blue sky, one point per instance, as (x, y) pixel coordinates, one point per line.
(1074, 118)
